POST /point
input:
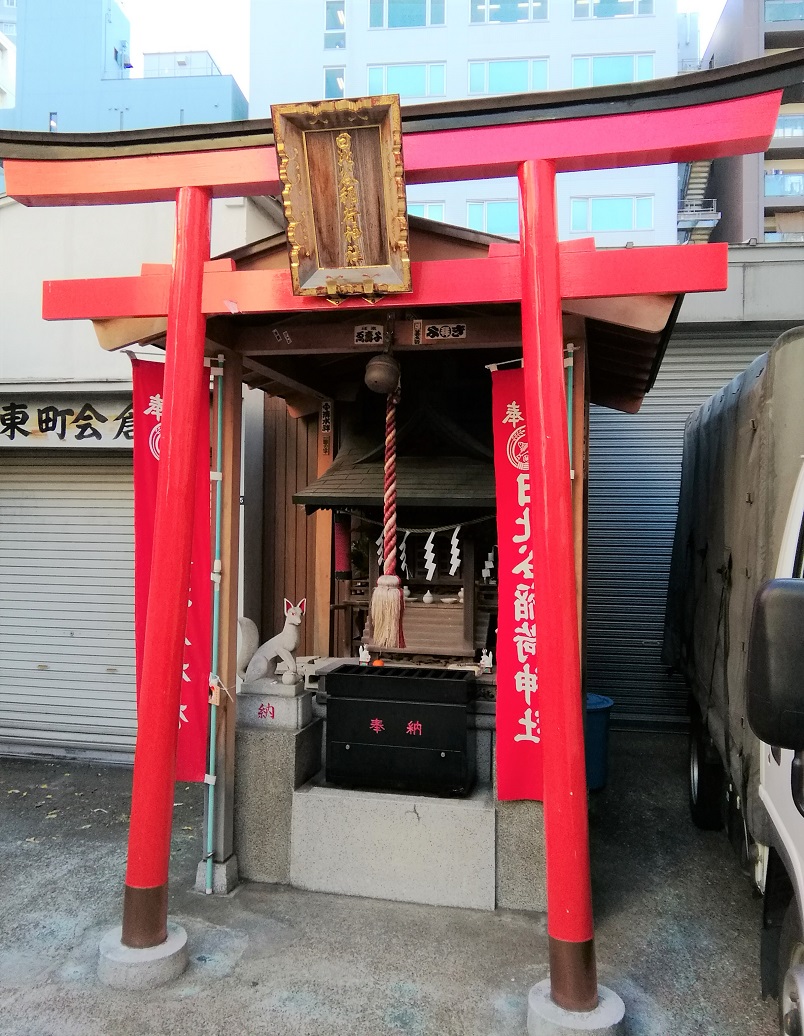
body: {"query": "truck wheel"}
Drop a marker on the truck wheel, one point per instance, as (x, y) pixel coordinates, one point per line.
(707, 779)
(791, 973)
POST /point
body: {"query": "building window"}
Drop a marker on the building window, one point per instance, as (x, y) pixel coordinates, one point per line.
(784, 185)
(427, 209)
(11, 3)
(8, 28)
(599, 215)
(789, 126)
(334, 25)
(611, 8)
(494, 217)
(405, 14)
(334, 81)
(408, 80)
(507, 76)
(606, 69)
(508, 10)
(784, 10)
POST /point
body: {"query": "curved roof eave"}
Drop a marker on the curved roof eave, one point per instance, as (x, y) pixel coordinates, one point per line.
(748, 78)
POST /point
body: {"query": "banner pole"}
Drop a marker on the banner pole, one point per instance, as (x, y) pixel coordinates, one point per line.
(573, 973)
(215, 682)
(145, 895)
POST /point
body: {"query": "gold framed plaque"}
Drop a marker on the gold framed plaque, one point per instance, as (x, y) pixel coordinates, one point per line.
(343, 191)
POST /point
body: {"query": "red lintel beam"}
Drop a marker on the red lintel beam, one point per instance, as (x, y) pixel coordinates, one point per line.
(143, 178)
(736, 127)
(671, 269)
(732, 127)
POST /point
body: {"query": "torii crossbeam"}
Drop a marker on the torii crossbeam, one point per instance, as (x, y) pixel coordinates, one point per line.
(729, 112)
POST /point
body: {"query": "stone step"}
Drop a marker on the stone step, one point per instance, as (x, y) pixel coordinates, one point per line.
(381, 845)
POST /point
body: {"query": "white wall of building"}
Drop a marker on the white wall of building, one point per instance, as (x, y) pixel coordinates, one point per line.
(94, 241)
(8, 71)
(300, 26)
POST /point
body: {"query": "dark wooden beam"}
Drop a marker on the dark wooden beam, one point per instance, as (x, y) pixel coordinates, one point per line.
(299, 336)
(278, 372)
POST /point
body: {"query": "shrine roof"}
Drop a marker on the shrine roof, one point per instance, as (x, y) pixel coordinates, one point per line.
(781, 71)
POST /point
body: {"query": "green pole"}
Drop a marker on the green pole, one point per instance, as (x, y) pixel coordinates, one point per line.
(214, 680)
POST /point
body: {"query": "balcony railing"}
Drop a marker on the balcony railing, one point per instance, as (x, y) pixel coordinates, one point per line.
(705, 207)
(789, 126)
(785, 235)
(784, 10)
(784, 185)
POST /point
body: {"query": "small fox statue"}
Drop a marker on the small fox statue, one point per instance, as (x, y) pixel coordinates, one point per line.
(255, 662)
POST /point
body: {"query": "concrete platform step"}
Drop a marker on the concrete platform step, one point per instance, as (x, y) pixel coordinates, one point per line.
(408, 848)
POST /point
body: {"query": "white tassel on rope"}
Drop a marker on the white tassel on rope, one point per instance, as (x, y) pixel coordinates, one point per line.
(386, 612)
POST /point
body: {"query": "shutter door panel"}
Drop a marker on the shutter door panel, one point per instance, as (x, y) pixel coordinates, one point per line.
(634, 476)
(67, 618)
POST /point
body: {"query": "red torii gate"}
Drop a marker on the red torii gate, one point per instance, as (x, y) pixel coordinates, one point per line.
(540, 276)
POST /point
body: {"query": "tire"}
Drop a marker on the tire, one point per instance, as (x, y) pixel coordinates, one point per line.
(791, 955)
(707, 780)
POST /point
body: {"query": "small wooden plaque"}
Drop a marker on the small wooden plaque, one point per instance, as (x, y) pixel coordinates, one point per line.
(340, 163)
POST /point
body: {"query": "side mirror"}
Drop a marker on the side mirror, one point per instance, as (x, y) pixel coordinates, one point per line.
(776, 664)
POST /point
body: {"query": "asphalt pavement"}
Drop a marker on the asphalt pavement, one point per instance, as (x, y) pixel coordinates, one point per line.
(677, 926)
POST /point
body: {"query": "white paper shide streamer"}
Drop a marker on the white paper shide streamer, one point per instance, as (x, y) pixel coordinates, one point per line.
(455, 553)
(429, 557)
(403, 555)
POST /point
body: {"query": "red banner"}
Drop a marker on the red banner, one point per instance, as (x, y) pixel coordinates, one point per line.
(519, 751)
(193, 718)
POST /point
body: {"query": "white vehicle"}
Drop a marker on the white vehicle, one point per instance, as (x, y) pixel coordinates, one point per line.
(738, 556)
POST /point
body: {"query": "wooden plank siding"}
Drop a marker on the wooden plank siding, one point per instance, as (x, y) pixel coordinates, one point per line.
(290, 460)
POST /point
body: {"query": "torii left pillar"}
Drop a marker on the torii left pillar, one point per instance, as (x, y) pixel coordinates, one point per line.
(145, 928)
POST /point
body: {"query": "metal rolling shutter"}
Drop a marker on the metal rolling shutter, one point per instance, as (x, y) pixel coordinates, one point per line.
(635, 468)
(67, 606)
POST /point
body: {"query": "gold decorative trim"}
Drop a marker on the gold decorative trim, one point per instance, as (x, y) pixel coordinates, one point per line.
(348, 197)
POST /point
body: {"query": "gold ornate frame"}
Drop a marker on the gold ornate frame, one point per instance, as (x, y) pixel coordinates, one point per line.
(340, 164)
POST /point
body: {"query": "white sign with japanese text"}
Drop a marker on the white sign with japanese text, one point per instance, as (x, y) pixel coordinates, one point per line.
(55, 421)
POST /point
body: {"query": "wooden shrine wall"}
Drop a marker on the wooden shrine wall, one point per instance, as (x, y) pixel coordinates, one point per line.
(290, 463)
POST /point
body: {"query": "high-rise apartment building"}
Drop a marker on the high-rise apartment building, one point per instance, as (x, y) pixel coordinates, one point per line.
(74, 74)
(430, 50)
(8, 19)
(762, 196)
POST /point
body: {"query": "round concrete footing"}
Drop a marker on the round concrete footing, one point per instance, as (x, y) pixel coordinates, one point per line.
(546, 1018)
(122, 967)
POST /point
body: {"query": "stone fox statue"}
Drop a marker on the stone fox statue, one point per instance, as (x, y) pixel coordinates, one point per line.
(255, 662)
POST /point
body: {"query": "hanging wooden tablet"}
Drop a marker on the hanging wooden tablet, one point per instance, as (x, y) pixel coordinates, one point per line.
(340, 163)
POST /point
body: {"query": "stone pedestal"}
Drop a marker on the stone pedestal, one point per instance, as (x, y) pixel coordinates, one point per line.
(520, 855)
(387, 845)
(122, 967)
(278, 748)
(274, 705)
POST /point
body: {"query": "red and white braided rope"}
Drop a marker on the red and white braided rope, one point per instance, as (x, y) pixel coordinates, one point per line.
(389, 488)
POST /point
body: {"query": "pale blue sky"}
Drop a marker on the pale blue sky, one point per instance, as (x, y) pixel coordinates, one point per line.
(223, 29)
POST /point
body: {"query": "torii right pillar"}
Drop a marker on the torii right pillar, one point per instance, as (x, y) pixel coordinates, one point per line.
(572, 990)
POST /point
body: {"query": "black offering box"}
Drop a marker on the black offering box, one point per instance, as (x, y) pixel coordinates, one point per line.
(400, 728)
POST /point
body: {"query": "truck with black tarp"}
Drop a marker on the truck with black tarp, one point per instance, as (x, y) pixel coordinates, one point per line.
(737, 557)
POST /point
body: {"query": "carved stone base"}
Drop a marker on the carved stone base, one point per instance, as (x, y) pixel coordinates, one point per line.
(269, 704)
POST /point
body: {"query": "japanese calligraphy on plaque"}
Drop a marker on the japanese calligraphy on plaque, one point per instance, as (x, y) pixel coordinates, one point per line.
(340, 163)
(519, 757)
(59, 421)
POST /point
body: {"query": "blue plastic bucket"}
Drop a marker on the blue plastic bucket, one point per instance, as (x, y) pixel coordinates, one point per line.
(598, 707)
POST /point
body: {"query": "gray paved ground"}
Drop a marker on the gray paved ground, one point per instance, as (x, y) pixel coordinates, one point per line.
(677, 927)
